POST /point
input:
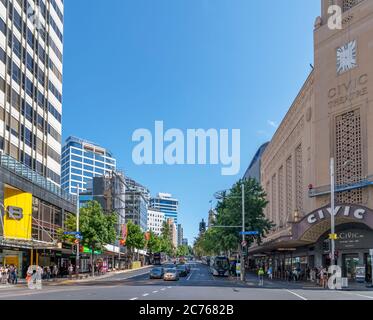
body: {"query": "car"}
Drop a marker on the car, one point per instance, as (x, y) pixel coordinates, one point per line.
(171, 275)
(182, 270)
(156, 273)
(188, 267)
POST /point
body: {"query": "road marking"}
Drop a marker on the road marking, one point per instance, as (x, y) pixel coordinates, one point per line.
(296, 294)
(134, 299)
(145, 294)
(155, 291)
(190, 275)
(169, 287)
(357, 294)
(163, 289)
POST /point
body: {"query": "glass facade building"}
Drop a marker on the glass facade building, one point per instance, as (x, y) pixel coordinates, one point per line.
(81, 162)
(168, 205)
(31, 47)
(137, 203)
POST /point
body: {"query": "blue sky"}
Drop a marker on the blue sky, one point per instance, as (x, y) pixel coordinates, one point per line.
(235, 64)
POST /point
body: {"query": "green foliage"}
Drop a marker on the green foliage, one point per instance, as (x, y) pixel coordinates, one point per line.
(154, 244)
(182, 251)
(166, 240)
(135, 237)
(229, 213)
(96, 227)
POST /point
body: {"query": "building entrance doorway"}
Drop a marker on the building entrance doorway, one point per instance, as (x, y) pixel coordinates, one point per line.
(350, 262)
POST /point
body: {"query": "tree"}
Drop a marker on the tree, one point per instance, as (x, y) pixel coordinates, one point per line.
(182, 251)
(166, 239)
(154, 243)
(135, 238)
(229, 213)
(96, 227)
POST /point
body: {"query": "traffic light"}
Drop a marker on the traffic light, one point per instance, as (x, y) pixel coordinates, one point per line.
(326, 246)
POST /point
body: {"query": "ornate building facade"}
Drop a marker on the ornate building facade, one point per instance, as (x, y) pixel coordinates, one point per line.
(329, 119)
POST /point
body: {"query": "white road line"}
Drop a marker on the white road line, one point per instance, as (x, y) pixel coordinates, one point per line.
(357, 294)
(155, 291)
(145, 294)
(169, 287)
(163, 289)
(134, 299)
(296, 294)
(190, 275)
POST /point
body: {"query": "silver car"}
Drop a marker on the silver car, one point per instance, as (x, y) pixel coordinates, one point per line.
(171, 275)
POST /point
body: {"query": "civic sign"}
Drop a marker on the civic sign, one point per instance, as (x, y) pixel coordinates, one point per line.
(343, 211)
(249, 233)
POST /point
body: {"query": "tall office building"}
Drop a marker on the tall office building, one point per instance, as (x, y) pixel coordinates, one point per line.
(173, 230)
(31, 46)
(137, 203)
(165, 203)
(33, 207)
(81, 161)
(155, 221)
(180, 235)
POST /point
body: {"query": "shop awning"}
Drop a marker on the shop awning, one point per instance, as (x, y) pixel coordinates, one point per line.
(27, 244)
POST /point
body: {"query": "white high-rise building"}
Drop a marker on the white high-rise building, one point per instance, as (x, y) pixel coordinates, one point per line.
(156, 219)
(31, 46)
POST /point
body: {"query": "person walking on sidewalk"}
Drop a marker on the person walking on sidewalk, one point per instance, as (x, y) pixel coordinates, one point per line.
(261, 276)
(270, 273)
(71, 270)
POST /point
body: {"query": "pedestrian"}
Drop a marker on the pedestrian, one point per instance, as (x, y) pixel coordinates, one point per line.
(48, 273)
(70, 269)
(15, 276)
(261, 276)
(55, 271)
(270, 273)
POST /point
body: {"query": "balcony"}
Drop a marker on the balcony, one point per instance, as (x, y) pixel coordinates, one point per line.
(23, 171)
(325, 190)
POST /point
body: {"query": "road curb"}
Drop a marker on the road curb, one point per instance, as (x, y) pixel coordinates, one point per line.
(90, 278)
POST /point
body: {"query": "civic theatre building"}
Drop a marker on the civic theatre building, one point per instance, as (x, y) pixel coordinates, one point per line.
(330, 118)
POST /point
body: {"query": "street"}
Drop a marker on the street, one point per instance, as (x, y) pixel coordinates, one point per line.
(198, 285)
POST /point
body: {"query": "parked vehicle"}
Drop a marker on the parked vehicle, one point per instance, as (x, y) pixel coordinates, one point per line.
(219, 266)
(156, 273)
(171, 275)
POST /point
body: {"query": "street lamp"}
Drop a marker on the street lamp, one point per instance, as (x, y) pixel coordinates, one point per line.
(221, 195)
(77, 230)
(332, 195)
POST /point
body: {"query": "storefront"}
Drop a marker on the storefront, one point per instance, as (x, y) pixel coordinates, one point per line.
(307, 245)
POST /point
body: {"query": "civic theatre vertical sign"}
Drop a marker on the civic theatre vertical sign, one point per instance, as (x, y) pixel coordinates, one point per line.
(18, 217)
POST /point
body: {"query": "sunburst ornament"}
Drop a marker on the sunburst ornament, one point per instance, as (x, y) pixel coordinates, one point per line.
(347, 57)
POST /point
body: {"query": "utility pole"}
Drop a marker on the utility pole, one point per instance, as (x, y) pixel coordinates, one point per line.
(243, 234)
(332, 222)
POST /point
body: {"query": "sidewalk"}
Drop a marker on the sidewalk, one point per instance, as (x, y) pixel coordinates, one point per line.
(252, 279)
(58, 281)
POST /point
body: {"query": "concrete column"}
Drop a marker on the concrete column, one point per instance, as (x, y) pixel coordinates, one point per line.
(361, 258)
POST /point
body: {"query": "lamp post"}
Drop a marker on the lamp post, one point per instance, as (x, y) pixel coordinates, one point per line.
(332, 218)
(219, 196)
(77, 230)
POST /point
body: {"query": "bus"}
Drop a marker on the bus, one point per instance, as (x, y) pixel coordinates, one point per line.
(219, 266)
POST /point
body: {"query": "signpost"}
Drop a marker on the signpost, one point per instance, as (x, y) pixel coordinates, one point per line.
(250, 233)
